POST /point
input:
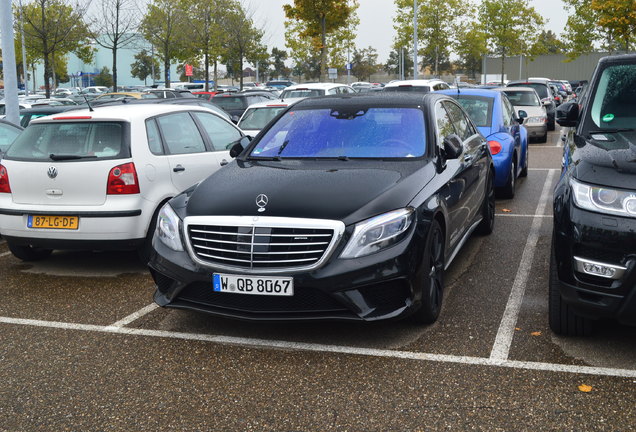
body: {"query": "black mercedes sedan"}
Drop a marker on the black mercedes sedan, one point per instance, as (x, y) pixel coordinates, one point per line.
(343, 208)
(593, 264)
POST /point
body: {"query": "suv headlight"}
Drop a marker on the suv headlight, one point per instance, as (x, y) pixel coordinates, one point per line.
(604, 200)
(378, 233)
(168, 228)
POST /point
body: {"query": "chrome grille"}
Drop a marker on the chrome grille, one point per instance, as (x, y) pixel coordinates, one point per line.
(263, 245)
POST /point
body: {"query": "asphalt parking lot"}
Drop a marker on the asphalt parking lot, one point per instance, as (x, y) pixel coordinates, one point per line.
(83, 348)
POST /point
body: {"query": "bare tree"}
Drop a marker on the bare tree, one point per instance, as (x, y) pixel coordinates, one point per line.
(114, 26)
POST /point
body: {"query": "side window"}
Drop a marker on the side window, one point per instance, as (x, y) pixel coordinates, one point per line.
(181, 133)
(509, 107)
(507, 119)
(221, 133)
(333, 91)
(154, 139)
(169, 95)
(464, 130)
(444, 124)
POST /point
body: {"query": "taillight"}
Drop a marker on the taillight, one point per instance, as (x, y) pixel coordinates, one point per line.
(4, 180)
(122, 179)
(495, 147)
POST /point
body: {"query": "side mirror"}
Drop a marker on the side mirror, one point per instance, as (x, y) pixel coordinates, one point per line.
(453, 147)
(522, 116)
(568, 114)
(240, 145)
(546, 102)
(235, 119)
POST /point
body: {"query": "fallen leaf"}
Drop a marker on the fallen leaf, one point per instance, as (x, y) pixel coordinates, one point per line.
(536, 333)
(517, 329)
(585, 388)
(506, 210)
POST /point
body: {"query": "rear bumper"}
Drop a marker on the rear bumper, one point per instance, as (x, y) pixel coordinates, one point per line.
(536, 130)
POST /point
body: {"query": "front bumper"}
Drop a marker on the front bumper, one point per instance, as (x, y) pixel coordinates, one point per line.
(536, 130)
(380, 286)
(609, 241)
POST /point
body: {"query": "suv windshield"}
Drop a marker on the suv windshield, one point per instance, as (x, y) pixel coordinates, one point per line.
(257, 118)
(541, 89)
(613, 104)
(351, 133)
(69, 141)
(523, 98)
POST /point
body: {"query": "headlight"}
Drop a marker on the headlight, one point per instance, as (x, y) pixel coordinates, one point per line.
(168, 228)
(604, 200)
(378, 233)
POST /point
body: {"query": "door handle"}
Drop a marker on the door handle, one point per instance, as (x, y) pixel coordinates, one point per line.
(468, 158)
(224, 162)
(178, 168)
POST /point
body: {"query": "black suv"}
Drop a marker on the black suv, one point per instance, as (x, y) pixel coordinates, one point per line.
(592, 268)
(235, 104)
(345, 208)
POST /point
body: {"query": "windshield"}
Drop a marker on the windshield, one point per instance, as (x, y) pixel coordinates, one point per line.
(301, 93)
(354, 133)
(614, 100)
(257, 118)
(541, 89)
(479, 108)
(230, 102)
(523, 98)
(69, 141)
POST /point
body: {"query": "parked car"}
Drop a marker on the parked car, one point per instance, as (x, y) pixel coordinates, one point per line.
(8, 133)
(395, 173)
(170, 93)
(544, 92)
(205, 95)
(593, 260)
(26, 115)
(497, 120)
(96, 179)
(315, 90)
(526, 99)
(279, 84)
(235, 104)
(423, 86)
(121, 95)
(256, 117)
(94, 90)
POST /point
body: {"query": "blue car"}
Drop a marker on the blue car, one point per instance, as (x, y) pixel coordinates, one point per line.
(495, 117)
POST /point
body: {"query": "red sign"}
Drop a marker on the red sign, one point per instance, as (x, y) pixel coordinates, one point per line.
(188, 70)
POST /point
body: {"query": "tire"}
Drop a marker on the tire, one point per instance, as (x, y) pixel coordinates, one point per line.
(487, 224)
(29, 253)
(432, 277)
(544, 138)
(563, 320)
(508, 191)
(524, 171)
(551, 125)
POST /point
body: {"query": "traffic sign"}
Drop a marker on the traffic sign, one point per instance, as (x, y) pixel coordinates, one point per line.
(188, 70)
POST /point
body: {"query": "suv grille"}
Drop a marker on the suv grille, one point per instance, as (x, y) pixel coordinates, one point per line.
(261, 246)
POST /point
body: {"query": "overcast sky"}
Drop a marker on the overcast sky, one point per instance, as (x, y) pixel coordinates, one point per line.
(376, 21)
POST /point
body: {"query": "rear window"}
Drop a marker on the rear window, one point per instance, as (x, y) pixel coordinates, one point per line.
(478, 108)
(230, 102)
(522, 98)
(541, 89)
(71, 141)
(258, 118)
(353, 133)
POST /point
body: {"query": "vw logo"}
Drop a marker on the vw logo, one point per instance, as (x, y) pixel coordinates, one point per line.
(261, 202)
(52, 172)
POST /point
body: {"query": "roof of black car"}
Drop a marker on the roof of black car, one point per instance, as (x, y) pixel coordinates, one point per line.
(620, 58)
(400, 99)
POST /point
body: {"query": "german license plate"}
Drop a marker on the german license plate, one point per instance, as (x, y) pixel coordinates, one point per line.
(53, 222)
(256, 285)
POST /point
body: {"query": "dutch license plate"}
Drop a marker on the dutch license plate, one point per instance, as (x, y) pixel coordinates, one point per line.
(256, 285)
(53, 222)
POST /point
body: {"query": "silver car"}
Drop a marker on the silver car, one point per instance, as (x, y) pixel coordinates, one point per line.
(527, 99)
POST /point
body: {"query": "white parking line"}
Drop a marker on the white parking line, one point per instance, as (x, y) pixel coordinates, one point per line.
(135, 316)
(501, 347)
(523, 215)
(338, 349)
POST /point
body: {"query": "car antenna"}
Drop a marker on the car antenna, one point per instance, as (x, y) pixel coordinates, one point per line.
(90, 108)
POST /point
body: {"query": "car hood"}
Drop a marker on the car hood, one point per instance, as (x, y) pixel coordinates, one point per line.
(349, 191)
(608, 163)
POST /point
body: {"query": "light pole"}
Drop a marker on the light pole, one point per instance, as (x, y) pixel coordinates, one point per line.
(25, 74)
(12, 108)
(415, 74)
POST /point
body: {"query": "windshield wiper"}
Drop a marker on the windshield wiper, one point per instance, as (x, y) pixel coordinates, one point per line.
(600, 131)
(282, 147)
(265, 158)
(60, 157)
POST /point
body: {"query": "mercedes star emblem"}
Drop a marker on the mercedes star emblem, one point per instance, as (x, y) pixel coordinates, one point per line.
(261, 202)
(52, 172)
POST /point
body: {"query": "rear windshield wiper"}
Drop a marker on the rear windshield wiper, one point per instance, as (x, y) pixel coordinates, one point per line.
(59, 157)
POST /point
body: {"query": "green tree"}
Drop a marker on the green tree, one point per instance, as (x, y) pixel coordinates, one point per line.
(318, 19)
(393, 63)
(114, 26)
(618, 17)
(364, 63)
(511, 27)
(143, 66)
(52, 29)
(549, 43)
(278, 63)
(438, 22)
(104, 78)
(165, 25)
(471, 46)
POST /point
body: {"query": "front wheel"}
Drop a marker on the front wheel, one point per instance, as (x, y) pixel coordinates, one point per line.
(432, 277)
(28, 253)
